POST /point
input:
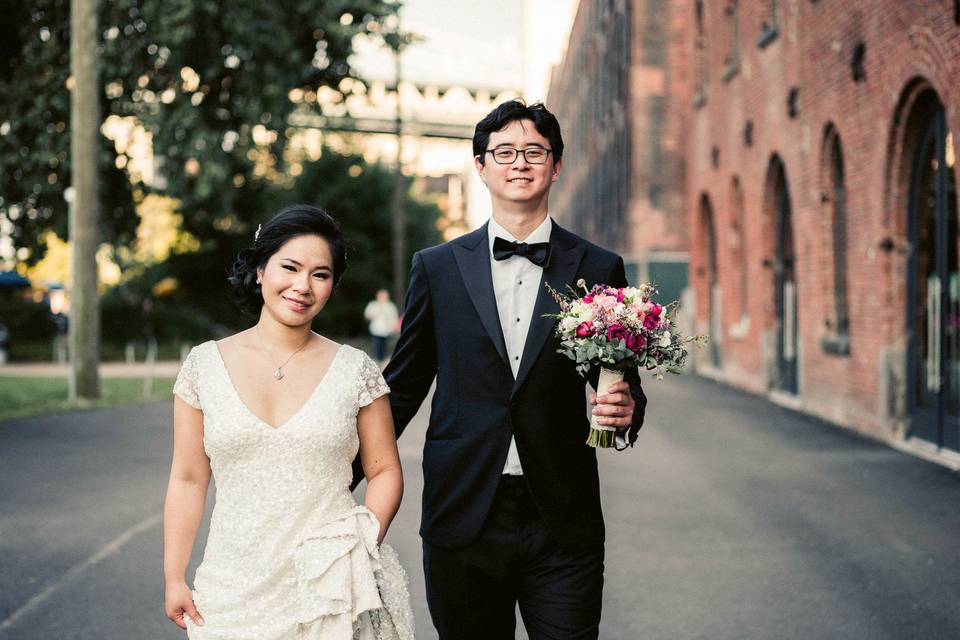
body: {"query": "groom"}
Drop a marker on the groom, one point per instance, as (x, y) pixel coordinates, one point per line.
(511, 499)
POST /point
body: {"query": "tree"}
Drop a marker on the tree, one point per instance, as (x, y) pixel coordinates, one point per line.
(359, 196)
(210, 80)
(356, 193)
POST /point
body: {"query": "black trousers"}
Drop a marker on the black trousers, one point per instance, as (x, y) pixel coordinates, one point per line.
(473, 592)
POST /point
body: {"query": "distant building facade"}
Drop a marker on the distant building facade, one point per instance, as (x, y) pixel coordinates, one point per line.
(622, 181)
(820, 143)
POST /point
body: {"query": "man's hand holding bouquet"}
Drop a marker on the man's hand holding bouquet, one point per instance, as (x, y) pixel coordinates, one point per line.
(618, 329)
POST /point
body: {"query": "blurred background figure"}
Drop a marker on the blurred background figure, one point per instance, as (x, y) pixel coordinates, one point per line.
(4, 343)
(382, 316)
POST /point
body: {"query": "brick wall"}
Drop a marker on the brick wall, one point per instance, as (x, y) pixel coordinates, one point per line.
(819, 71)
(621, 184)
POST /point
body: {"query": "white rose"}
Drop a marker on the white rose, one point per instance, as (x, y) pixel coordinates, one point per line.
(664, 340)
(569, 324)
(583, 312)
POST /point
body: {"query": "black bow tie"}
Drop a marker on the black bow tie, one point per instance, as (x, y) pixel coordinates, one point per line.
(538, 253)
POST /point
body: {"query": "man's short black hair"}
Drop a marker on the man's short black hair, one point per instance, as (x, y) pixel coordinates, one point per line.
(513, 110)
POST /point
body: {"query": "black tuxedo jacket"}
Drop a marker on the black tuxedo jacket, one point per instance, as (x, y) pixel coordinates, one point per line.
(451, 330)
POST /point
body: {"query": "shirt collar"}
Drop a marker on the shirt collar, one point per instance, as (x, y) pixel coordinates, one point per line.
(540, 234)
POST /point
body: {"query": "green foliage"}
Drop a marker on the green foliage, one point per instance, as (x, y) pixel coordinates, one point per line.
(245, 56)
(131, 313)
(356, 193)
(35, 130)
(362, 205)
(25, 319)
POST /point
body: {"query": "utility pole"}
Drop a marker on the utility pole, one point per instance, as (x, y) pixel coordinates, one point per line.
(84, 144)
(399, 227)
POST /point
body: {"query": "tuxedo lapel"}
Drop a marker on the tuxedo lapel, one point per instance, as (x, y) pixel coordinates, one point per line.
(566, 253)
(472, 253)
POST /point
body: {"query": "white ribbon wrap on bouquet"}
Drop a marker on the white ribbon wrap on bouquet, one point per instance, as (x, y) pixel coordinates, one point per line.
(607, 378)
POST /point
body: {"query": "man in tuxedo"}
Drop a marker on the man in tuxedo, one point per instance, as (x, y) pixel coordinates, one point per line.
(511, 500)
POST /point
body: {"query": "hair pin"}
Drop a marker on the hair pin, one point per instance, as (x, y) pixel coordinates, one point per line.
(256, 235)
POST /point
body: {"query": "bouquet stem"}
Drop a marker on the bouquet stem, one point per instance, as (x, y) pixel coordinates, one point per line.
(603, 436)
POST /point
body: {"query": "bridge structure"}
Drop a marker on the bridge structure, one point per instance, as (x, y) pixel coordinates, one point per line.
(425, 111)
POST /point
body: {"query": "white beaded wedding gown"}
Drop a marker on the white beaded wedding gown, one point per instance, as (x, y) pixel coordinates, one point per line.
(290, 553)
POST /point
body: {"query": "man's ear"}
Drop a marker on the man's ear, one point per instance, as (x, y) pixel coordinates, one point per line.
(479, 166)
(556, 170)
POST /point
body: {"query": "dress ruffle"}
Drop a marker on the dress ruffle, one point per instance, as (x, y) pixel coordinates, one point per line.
(348, 587)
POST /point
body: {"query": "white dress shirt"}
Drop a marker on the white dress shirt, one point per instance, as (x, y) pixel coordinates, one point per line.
(516, 283)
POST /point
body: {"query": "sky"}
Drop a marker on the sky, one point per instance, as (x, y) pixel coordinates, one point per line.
(494, 44)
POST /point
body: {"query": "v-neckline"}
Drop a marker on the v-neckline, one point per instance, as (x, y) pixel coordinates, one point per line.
(246, 407)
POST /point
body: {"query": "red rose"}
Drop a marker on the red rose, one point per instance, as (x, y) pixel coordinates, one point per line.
(585, 329)
(616, 331)
(636, 342)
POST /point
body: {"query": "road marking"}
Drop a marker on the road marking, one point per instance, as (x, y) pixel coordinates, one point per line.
(105, 552)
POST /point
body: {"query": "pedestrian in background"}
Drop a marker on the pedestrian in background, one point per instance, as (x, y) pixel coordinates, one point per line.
(382, 316)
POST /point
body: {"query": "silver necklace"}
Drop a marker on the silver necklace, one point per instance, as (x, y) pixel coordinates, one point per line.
(278, 374)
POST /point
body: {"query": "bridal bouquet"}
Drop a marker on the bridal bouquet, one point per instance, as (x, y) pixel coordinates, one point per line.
(618, 329)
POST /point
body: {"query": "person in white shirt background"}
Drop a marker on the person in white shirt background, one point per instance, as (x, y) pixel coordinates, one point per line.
(382, 316)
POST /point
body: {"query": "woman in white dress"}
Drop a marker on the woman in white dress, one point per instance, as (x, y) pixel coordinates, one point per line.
(276, 414)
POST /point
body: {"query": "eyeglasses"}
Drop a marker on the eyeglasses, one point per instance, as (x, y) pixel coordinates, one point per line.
(508, 155)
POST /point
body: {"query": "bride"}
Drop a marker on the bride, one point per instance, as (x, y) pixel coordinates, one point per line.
(277, 414)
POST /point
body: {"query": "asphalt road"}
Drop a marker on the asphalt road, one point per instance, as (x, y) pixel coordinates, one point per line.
(731, 518)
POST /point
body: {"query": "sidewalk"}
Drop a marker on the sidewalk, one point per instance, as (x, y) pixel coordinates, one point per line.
(162, 369)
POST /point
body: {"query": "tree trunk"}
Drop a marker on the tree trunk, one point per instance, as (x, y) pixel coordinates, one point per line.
(84, 226)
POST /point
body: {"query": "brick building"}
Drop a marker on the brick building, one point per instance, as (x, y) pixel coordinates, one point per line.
(820, 194)
(622, 182)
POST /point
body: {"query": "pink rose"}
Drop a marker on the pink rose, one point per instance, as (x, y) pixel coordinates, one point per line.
(652, 321)
(585, 329)
(605, 302)
(655, 309)
(616, 331)
(588, 298)
(636, 342)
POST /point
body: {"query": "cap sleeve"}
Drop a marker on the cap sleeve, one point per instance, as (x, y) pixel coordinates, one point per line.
(187, 386)
(370, 383)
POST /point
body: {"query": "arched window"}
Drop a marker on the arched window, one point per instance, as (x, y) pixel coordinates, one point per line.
(702, 61)
(769, 22)
(779, 210)
(732, 60)
(738, 246)
(835, 203)
(711, 280)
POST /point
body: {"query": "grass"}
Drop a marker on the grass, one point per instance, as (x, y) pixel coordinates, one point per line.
(22, 397)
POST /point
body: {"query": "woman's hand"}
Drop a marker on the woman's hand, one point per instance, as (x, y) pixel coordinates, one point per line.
(178, 603)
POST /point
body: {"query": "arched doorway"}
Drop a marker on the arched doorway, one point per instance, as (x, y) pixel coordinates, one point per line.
(709, 235)
(933, 289)
(784, 277)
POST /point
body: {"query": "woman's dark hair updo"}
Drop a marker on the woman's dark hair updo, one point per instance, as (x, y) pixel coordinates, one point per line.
(296, 220)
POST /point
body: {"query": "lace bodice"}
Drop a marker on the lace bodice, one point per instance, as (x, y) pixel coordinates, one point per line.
(286, 533)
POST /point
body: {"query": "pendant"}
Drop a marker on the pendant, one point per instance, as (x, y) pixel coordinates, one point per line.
(278, 375)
